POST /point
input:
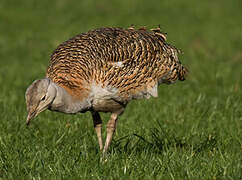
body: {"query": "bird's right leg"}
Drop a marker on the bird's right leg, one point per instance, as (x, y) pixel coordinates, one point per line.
(111, 127)
(97, 121)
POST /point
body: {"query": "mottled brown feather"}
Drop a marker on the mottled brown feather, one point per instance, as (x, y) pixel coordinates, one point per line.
(146, 60)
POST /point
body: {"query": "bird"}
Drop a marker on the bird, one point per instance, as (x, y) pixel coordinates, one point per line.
(102, 70)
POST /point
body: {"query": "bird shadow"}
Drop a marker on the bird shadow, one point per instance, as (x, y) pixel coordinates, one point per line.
(158, 141)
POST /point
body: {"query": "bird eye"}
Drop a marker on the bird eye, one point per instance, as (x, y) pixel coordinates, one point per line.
(43, 98)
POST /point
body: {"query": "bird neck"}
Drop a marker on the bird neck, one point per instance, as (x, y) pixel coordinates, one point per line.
(66, 103)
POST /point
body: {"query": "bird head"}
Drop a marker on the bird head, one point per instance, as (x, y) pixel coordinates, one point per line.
(39, 96)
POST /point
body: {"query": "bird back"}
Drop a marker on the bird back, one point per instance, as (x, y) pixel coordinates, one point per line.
(131, 62)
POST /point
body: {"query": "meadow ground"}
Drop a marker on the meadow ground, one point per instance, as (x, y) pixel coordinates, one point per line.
(191, 131)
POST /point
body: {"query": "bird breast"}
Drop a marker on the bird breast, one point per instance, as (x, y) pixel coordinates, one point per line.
(105, 99)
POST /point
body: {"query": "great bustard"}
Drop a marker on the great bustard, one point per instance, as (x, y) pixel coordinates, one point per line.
(101, 71)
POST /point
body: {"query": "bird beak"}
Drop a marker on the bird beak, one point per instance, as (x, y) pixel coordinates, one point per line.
(30, 116)
(33, 114)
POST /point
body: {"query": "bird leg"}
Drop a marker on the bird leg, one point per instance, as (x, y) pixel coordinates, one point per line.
(97, 121)
(111, 126)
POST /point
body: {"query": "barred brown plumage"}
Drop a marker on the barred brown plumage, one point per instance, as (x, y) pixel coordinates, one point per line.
(102, 70)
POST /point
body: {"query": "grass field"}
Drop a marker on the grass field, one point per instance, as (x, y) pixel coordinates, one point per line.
(193, 130)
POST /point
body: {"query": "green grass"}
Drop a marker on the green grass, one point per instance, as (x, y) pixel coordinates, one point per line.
(191, 131)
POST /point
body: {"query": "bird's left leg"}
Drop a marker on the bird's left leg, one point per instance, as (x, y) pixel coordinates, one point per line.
(97, 122)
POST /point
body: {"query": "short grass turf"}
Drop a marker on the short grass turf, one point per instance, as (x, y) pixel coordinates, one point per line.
(191, 131)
